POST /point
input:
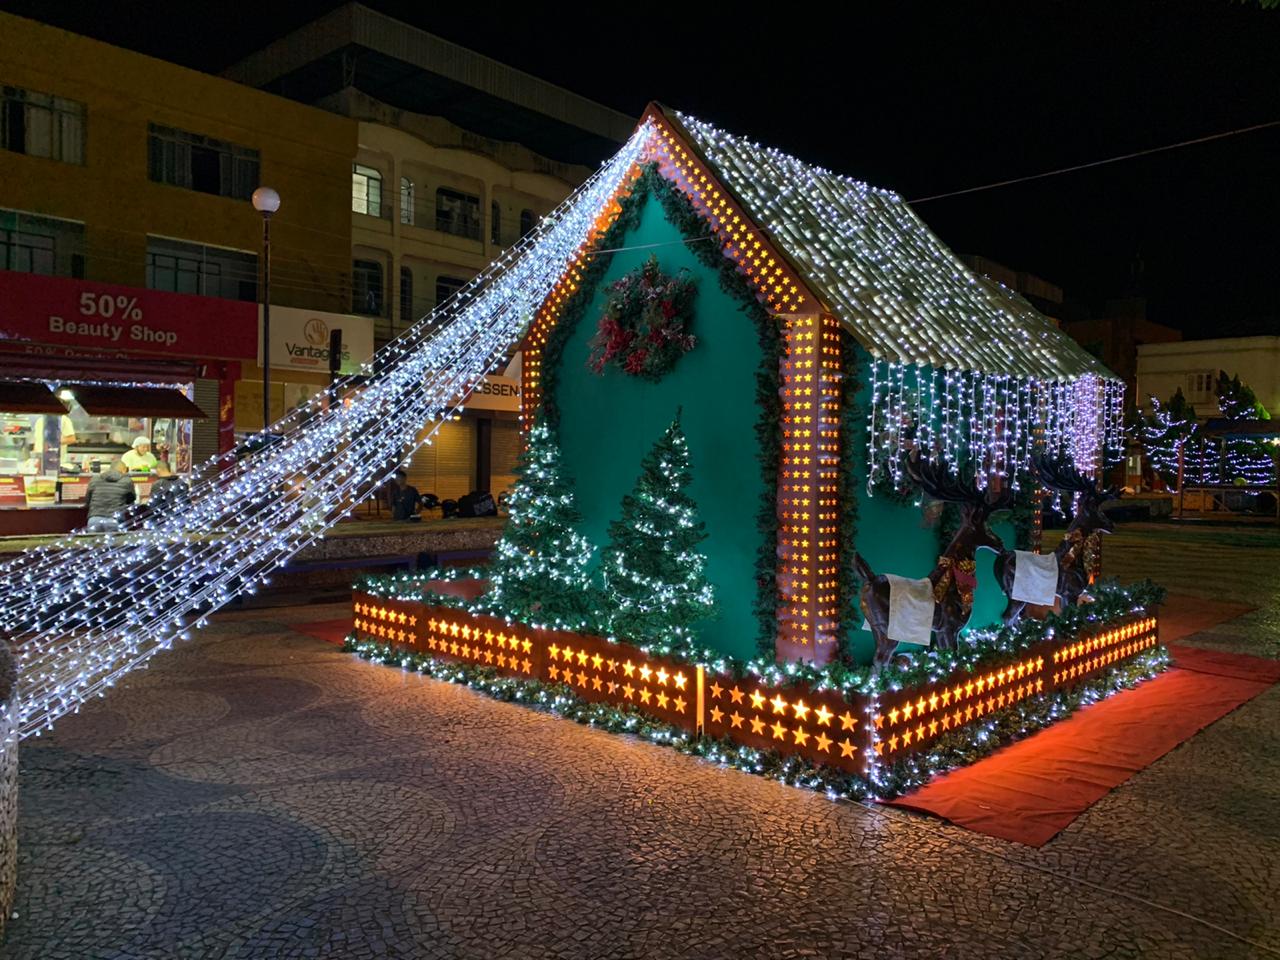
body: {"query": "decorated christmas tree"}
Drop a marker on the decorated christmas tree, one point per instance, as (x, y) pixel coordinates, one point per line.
(655, 590)
(539, 573)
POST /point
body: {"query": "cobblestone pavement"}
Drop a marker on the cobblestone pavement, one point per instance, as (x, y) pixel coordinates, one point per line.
(259, 794)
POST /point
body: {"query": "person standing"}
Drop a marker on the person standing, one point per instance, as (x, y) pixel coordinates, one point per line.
(404, 498)
(108, 494)
(140, 459)
(168, 492)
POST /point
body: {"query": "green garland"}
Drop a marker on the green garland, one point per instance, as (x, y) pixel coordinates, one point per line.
(560, 700)
(557, 698)
(983, 650)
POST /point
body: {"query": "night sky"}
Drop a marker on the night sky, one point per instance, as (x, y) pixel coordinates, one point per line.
(922, 98)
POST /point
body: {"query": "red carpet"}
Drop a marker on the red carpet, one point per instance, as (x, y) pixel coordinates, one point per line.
(1181, 615)
(1031, 790)
(334, 631)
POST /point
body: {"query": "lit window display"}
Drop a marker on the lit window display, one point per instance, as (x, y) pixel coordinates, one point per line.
(55, 438)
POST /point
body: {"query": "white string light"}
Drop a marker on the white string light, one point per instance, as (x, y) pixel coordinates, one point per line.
(80, 626)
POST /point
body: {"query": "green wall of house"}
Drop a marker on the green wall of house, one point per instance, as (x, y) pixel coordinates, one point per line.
(609, 422)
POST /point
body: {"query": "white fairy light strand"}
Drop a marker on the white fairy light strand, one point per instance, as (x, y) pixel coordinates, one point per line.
(131, 594)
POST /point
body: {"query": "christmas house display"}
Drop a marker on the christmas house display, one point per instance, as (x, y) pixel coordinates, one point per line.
(779, 499)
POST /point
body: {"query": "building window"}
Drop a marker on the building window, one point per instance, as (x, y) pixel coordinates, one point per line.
(495, 224)
(180, 267)
(41, 125)
(526, 223)
(43, 245)
(446, 287)
(26, 252)
(406, 200)
(366, 190)
(200, 163)
(457, 213)
(366, 287)
(1202, 385)
(406, 295)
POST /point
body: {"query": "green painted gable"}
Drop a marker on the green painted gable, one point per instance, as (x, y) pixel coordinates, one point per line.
(608, 423)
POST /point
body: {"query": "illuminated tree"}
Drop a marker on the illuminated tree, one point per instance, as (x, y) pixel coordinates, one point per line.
(655, 589)
(539, 573)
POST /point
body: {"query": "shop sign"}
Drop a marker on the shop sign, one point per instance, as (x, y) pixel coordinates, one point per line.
(300, 339)
(82, 313)
(497, 391)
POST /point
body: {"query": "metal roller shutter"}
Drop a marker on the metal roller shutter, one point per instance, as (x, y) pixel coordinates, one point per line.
(204, 433)
(504, 451)
(447, 466)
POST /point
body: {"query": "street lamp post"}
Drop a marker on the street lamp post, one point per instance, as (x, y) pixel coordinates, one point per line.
(266, 201)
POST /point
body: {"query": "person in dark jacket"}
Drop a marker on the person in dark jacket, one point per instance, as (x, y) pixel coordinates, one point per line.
(168, 492)
(404, 498)
(108, 494)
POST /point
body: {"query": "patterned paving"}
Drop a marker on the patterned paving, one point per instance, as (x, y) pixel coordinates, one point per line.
(259, 794)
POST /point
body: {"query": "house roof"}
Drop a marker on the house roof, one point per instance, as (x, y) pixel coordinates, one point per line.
(881, 271)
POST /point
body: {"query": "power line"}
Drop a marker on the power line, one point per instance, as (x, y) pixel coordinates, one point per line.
(1099, 163)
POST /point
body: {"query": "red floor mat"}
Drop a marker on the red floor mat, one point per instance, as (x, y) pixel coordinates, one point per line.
(1181, 615)
(1238, 665)
(334, 631)
(1029, 791)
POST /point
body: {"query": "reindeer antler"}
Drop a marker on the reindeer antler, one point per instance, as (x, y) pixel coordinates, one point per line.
(940, 483)
(1059, 473)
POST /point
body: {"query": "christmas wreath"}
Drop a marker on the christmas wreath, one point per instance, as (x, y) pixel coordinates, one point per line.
(644, 329)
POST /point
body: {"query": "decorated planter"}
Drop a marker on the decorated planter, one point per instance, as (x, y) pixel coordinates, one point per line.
(860, 733)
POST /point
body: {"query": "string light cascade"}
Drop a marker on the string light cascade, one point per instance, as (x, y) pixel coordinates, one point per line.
(81, 625)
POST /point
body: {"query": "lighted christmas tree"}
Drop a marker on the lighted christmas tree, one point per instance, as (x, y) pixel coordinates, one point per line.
(539, 573)
(1173, 437)
(655, 590)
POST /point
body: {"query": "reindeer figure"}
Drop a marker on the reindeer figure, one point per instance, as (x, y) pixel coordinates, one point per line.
(1082, 538)
(954, 578)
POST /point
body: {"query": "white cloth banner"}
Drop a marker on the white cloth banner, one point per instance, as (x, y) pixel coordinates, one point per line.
(910, 610)
(1035, 578)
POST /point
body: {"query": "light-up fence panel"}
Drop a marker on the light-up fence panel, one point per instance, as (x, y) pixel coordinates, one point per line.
(824, 727)
(451, 635)
(845, 729)
(1101, 649)
(595, 669)
(912, 720)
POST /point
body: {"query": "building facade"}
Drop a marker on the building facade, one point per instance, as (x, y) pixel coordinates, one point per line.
(1192, 366)
(458, 157)
(130, 251)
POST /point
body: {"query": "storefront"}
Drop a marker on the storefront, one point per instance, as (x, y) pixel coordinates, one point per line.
(88, 371)
(479, 447)
(300, 342)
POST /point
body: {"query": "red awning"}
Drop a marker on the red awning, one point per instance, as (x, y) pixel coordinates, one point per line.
(28, 397)
(135, 402)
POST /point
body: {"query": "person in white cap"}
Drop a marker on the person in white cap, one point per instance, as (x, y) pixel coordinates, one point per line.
(140, 458)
